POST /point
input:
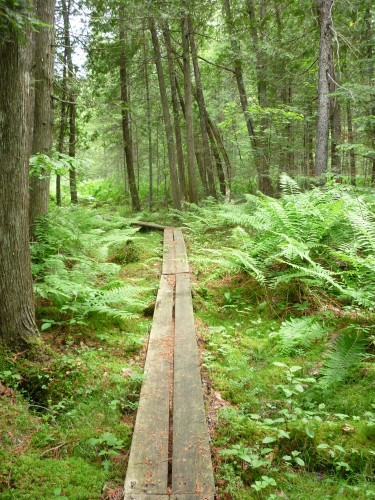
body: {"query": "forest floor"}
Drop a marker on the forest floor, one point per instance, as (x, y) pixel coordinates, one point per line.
(65, 429)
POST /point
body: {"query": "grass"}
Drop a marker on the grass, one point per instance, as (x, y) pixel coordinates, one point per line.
(65, 428)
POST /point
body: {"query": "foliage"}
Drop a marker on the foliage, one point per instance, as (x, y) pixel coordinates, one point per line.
(74, 268)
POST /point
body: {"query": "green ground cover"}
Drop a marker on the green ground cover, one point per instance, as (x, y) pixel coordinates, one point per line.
(65, 429)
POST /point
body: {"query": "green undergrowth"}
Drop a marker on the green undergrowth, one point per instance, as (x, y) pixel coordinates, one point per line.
(285, 295)
(66, 425)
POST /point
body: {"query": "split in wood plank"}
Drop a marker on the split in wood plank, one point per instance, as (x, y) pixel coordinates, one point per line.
(191, 474)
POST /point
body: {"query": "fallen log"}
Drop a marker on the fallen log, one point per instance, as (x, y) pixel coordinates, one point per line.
(148, 225)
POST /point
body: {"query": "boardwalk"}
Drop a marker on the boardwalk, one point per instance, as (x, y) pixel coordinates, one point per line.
(170, 453)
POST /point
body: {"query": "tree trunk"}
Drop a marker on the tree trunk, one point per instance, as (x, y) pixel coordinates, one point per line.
(71, 98)
(149, 127)
(334, 118)
(224, 155)
(202, 114)
(126, 120)
(219, 165)
(62, 127)
(166, 115)
(265, 184)
(176, 114)
(18, 330)
(43, 113)
(325, 50)
(239, 74)
(351, 141)
(190, 153)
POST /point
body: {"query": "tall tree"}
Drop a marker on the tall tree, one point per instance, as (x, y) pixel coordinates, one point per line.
(126, 119)
(166, 115)
(66, 11)
(175, 106)
(18, 329)
(325, 52)
(190, 146)
(43, 112)
(258, 38)
(203, 120)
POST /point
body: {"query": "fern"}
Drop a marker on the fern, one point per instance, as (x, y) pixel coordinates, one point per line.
(348, 350)
(288, 185)
(299, 333)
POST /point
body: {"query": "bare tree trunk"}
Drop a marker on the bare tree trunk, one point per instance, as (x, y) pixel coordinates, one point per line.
(149, 127)
(261, 65)
(71, 98)
(349, 118)
(62, 127)
(325, 50)
(176, 114)
(126, 120)
(18, 330)
(166, 115)
(43, 113)
(202, 114)
(193, 191)
(224, 155)
(219, 165)
(335, 124)
(239, 74)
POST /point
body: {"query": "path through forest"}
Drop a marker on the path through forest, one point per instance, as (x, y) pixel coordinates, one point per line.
(170, 452)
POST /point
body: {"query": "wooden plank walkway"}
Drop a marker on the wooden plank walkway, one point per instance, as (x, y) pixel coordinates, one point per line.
(170, 452)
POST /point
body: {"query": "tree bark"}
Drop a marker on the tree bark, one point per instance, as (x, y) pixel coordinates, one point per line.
(43, 112)
(335, 123)
(18, 330)
(190, 153)
(62, 127)
(322, 128)
(237, 63)
(175, 107)
(349, 118)
(203, 121)
(71, 98)
(265, 184)
(224, 155)
(166, 115)
(126, 119)
(149, 127)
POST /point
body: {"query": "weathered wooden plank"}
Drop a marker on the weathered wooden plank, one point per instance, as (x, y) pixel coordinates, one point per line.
(192, 497)
(148, 225)
(191, 460)
(182, 264)
(147, 471)
(168, 252)
(135, 496)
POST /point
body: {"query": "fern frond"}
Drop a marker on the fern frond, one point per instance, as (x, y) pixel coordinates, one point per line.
(346, 352)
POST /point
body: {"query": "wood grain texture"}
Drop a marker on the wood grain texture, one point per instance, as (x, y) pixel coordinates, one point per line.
(182, 264)
(168, 253)
(191, 461)
(147, 471)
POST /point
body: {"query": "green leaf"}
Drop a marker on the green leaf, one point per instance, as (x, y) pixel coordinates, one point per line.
(45, 326)
(269, 439)
(323, 446)
(299, 461)
(310, 432)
